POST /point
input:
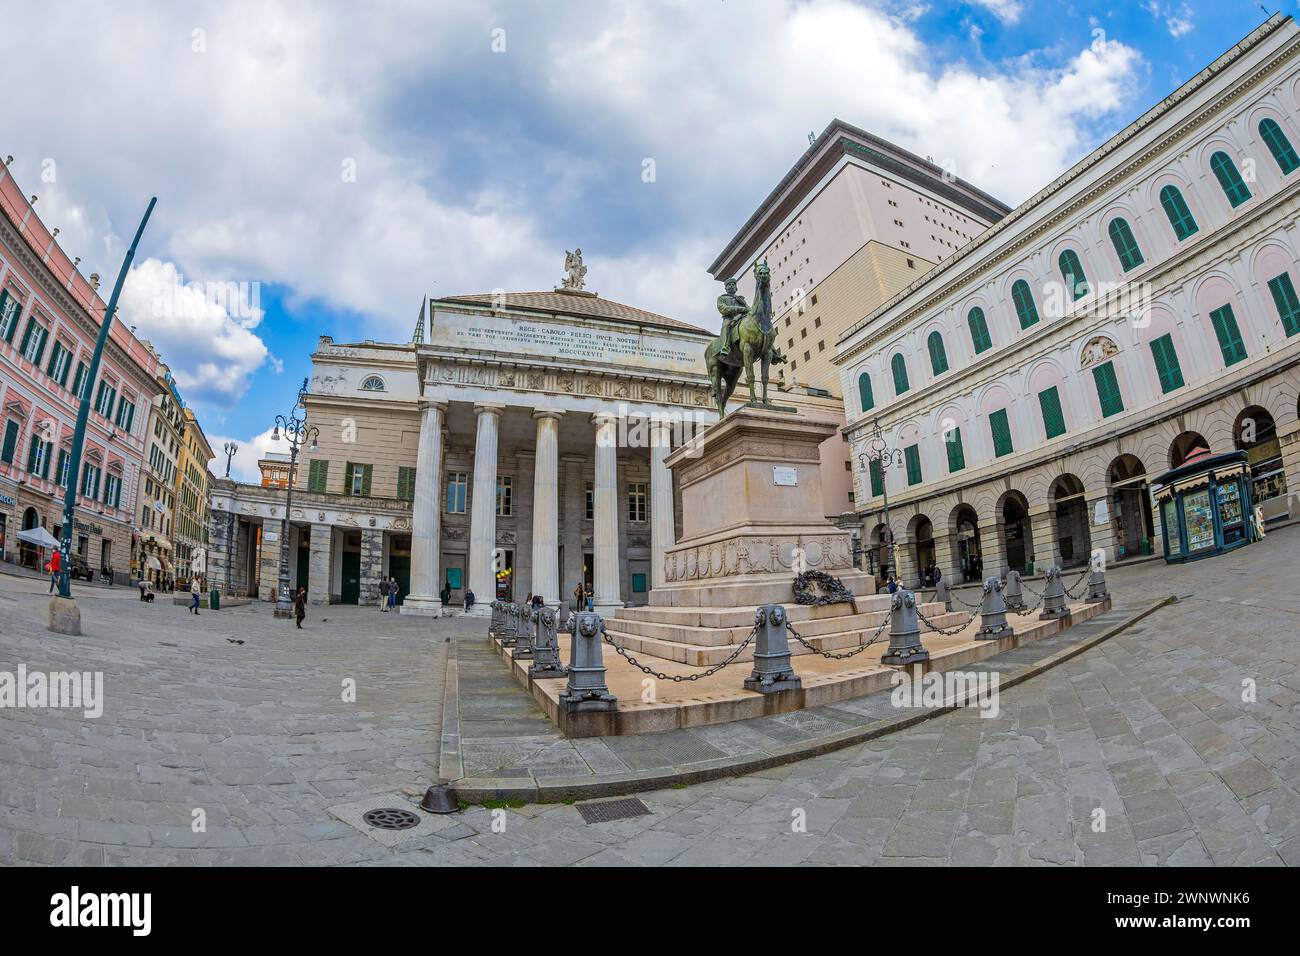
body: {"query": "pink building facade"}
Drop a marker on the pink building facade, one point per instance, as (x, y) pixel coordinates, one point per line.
(49, 320)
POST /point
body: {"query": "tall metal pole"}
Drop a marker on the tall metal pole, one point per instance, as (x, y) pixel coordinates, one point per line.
(83, 413)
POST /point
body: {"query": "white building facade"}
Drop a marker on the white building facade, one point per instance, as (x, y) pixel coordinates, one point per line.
(1142, 305)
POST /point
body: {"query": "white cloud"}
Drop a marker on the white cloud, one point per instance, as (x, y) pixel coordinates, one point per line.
(243, 466)
(197, 328)
(475, 170)
(1008, 11)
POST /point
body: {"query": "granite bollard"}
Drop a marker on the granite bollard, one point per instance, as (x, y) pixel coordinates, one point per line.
(1013, 596)
(546, 646)
(905, 645)
(772, 671)
(586, 691)
(993, 612)
(527, 633)
(1053, 596)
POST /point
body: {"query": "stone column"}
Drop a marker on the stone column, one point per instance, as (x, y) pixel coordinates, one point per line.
(948, 557)
(483, 510)
(1102, 535)
(663, 534)
(605, 543)
(372, 565)
(992, 549)
(546, 507)
(574, 510)
(906, 572)
(1046, 538)
(318, 564)
(426, 516)
(1289, 442)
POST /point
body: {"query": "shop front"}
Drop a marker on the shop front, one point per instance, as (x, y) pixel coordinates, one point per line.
(1206, 505)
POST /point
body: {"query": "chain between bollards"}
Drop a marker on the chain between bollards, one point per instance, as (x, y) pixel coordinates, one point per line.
(679, 678)
(830, 655)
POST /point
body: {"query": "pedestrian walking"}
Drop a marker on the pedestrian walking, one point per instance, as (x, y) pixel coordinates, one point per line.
(54, 566)
(195, 588)
(446, 594)
(383, 594)
(299, 607)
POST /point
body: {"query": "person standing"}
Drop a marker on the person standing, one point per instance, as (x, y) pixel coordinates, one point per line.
(579, 598)
(469, 599)
(195, 587)
(299, 607)
(383, 594)
(393, 590)
(446, 594)
(591, 597)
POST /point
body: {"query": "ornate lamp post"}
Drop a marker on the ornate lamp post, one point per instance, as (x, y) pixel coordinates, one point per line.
(879, 451)
(296, 433)
(229, 448)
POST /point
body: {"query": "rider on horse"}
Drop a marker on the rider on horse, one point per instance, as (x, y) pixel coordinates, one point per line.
(733, 308)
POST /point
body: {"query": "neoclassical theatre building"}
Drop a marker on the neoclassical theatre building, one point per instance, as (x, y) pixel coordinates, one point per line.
(514, 446)
(1031, 387)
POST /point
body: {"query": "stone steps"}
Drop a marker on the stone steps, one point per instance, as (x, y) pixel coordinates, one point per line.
(684, 646)
(726, 617)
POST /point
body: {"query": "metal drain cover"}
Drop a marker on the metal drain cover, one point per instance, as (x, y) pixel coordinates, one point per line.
(390, 818)
(607, 810)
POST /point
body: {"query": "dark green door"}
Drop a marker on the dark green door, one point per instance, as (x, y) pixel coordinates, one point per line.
(304, 561)
(399, 566)
(351, 593)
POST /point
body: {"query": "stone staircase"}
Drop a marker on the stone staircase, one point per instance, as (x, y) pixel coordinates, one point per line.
(704, 636)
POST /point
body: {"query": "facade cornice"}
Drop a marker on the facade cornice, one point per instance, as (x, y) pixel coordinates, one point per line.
(942, 285)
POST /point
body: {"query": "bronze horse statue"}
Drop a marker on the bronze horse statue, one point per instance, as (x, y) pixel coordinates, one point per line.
(755, 341)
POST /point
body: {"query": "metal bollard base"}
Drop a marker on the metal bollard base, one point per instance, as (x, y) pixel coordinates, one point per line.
(903, 656)
(773, 683)
(995, 632)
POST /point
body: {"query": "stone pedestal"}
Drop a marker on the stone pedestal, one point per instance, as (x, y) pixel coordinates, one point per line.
(65, 616)
(753, 513)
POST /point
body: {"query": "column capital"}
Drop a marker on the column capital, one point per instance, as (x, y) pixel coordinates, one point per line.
(555, 413)
(488, 408)
(427, 403)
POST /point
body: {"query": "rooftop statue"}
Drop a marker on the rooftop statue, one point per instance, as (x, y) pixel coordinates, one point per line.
(575, 271)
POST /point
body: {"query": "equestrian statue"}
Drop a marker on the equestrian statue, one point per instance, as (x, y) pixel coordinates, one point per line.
(748, 335)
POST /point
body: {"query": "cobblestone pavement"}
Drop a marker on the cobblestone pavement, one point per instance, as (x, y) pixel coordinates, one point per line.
(1149, 727)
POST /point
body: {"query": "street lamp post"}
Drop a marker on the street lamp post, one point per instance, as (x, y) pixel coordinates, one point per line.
(297, 433)
(879, 451)
(63, 617)
(229, 448)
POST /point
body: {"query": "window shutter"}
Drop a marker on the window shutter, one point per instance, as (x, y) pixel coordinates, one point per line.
(31, 453)
(367, 472)
(956, 454)
(1279, 146)
(912, 454)
(1180, 217)
(1001, 430)
(49, 453)
(40, 349)
(938, 357)
(1049, 401)
(1167, 367)
(900, 374)
(406, 484)
(1288, 305)
(864, 392)
(1107, 389)
(27, 335)
(979, 330)
(877, 478)
(347, 478)
(11, 440)
(1023, 299)
(1225, 328)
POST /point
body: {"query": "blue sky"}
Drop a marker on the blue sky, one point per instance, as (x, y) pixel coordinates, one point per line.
(486, 138)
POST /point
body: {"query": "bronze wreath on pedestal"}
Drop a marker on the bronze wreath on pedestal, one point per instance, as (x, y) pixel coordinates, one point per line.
(818, 587)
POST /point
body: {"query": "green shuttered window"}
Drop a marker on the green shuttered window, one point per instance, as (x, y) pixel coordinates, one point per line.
(406, 483)
(956, 454)
(979, 330)
(1001, 429)
(1288, 306)
(1049, 401)
(1180, 217)
(912, 455)
(1107, 389)
(938, 357)
(1023, 300)
(1225, 171)
(1166, 359)
(1279, 146)
(1225, 328)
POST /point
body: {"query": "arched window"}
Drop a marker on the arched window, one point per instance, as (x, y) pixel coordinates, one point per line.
(1180, 217)
(1126, 247)
(900, 373)
(1225, 171)
(864, 392)
(979, 330)
(938, 357)
(1023, 300)
(1076, 281)
(373, 384)
(1279, 146)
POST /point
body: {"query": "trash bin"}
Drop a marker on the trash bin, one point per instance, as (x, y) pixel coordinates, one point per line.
(1146, 545)
(1029, 567)
(214, 600)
